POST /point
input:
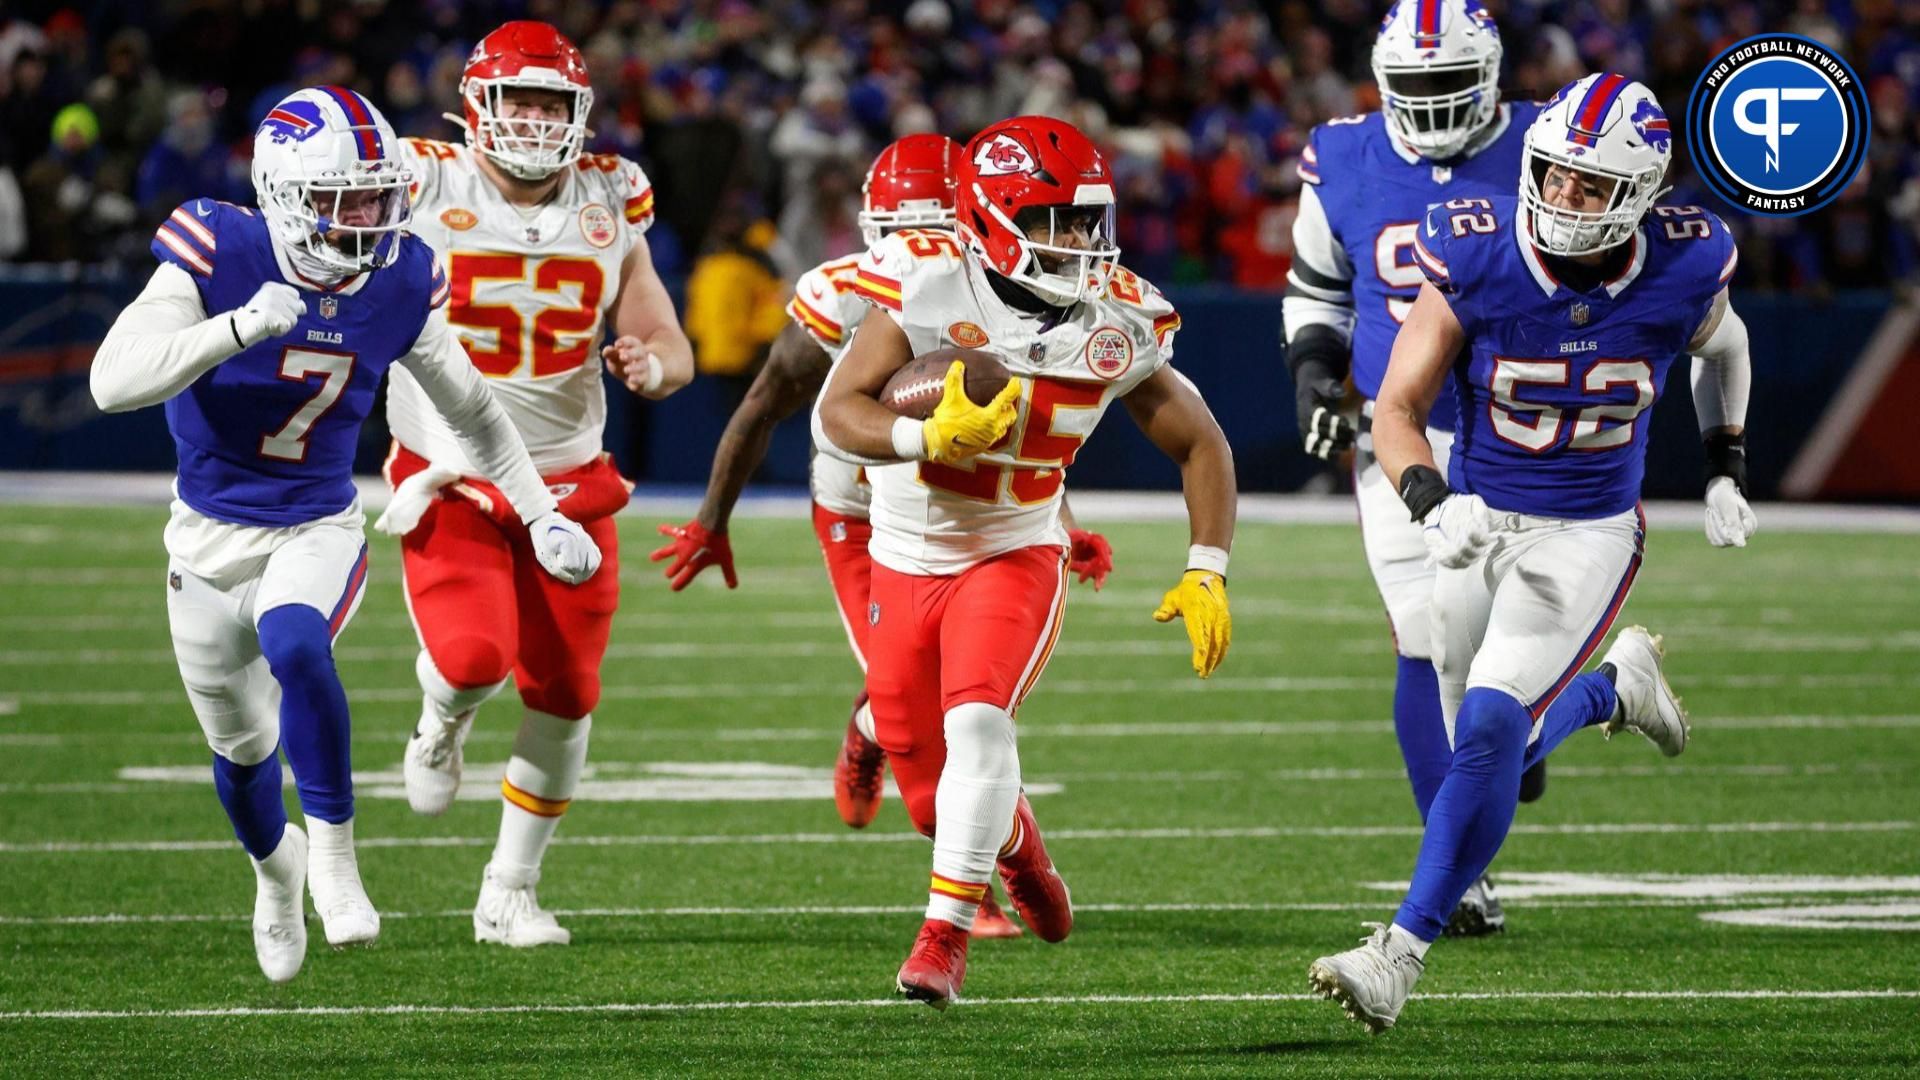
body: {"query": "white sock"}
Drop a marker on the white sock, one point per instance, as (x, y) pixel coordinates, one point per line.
(973, 806)
(549, 754)
(1408, 941)
(327, 841)
(446, 701)
(863, 721)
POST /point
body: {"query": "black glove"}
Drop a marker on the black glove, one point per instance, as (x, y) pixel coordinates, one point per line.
(1318, 359)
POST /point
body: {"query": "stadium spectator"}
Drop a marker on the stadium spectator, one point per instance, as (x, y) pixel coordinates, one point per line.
(188, 161)
(76, 202)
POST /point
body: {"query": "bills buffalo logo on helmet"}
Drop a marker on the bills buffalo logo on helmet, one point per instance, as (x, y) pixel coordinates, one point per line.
(293, 121)
(1109, 353)
(1652, 125)
(1002, 155)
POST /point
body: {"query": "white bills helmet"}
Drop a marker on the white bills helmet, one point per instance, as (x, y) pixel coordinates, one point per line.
(1609, 128)
(1438, 66)
(330, 182)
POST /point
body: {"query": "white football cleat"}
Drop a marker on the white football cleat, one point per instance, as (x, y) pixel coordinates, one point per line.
(333, 876)
(433, 760)
(508, 912)
(1647, 704)
(280, 907)
(1371, 982)
(1478, 913)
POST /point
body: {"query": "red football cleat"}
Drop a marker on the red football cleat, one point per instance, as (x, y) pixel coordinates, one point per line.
(937, 965)
(991, 922)
(856, 776)
(1035, 887)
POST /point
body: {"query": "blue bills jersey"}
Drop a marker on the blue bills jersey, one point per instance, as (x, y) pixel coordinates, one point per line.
(268, 436)
(1375, 194)
(1553, 381)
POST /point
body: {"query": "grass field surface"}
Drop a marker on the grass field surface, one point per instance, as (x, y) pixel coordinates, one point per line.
(1747, 909)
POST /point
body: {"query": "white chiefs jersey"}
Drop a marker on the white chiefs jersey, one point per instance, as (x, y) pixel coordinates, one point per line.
(827, 308)
(941, 519)
(529, 292)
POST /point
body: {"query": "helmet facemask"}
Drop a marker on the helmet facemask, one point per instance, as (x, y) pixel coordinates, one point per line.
(527, 147)
(1437, 110)
(346, 221)
(1622, 201)
(1067, 252)
(910, 214)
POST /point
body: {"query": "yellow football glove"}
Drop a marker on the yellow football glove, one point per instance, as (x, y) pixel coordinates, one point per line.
(959, 429)
(1201, 601)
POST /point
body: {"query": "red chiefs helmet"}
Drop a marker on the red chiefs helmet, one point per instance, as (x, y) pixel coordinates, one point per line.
(1036, 205)
(534, 55)
(911, 183)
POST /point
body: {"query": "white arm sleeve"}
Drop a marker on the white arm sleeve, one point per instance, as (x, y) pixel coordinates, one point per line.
(1320, 282)
(1722, 370)
(159, 345)
(460, 393)
(826, 445)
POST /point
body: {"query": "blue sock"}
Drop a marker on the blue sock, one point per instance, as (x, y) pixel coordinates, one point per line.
(251, 794)
(1473, 811)
(314, 729)
(1421, 729)
(1587, 700)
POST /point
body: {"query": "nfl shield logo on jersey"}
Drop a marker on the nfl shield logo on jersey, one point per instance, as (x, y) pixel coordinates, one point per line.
(1037, 351)
(1580, 313)
(873, 613)
(328, 306)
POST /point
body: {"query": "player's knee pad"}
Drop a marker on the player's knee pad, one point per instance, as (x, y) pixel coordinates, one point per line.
(454, 699)
(574, 693)
(1492, 727)
(549, 754)
(980, 741)
(246, 748)
(298, 645)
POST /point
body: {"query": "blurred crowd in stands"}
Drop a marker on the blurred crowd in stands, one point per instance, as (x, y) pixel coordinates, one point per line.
(756, 120)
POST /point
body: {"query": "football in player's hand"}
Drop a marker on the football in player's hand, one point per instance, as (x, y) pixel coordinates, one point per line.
(916, 388)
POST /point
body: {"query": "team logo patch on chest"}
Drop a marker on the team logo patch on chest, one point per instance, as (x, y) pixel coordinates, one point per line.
(596, 224)
(329, 306)
(458, 220)
(1579, 313)
(966, 335)
(1109, 353)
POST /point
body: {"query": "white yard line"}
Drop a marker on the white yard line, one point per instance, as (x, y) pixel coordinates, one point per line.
(850, 910)
(1250, 832)
(619, 1007)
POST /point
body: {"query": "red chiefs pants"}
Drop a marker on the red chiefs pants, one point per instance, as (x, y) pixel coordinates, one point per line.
(843, 540)
(484, 607)
(936, 642)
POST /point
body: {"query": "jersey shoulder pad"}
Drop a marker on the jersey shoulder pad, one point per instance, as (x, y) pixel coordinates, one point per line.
(905, 263)
(623, 183)
(824, 302)
(1137, 300)
(1699, 245)
(430, 159)
(1460, 238)
(1335, 144)
(1522, 114)
(415, 275)
(190, 236)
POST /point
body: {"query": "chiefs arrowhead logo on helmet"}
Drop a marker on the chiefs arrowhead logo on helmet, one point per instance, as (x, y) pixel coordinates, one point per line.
(1002, 155)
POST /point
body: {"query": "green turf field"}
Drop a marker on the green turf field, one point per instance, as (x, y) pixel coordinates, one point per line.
(1217, 837)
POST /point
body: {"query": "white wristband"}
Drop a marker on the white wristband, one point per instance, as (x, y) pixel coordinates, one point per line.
(656, 372)
(909, 439)
(1202, 557)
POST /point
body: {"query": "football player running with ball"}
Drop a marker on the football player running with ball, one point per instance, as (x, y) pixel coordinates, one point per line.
(909, 186)
(1566, 307)
(266, 335)
(541, 246)
(969, 550)
(1441, 133)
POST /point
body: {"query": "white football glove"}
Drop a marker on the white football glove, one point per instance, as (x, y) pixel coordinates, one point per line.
(1458, 531)
(1730, 520)
(412, 499)
(563, 547)
(275, 307)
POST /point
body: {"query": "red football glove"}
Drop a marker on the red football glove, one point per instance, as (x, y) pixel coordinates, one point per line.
(1090, 556)
(693, 549)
